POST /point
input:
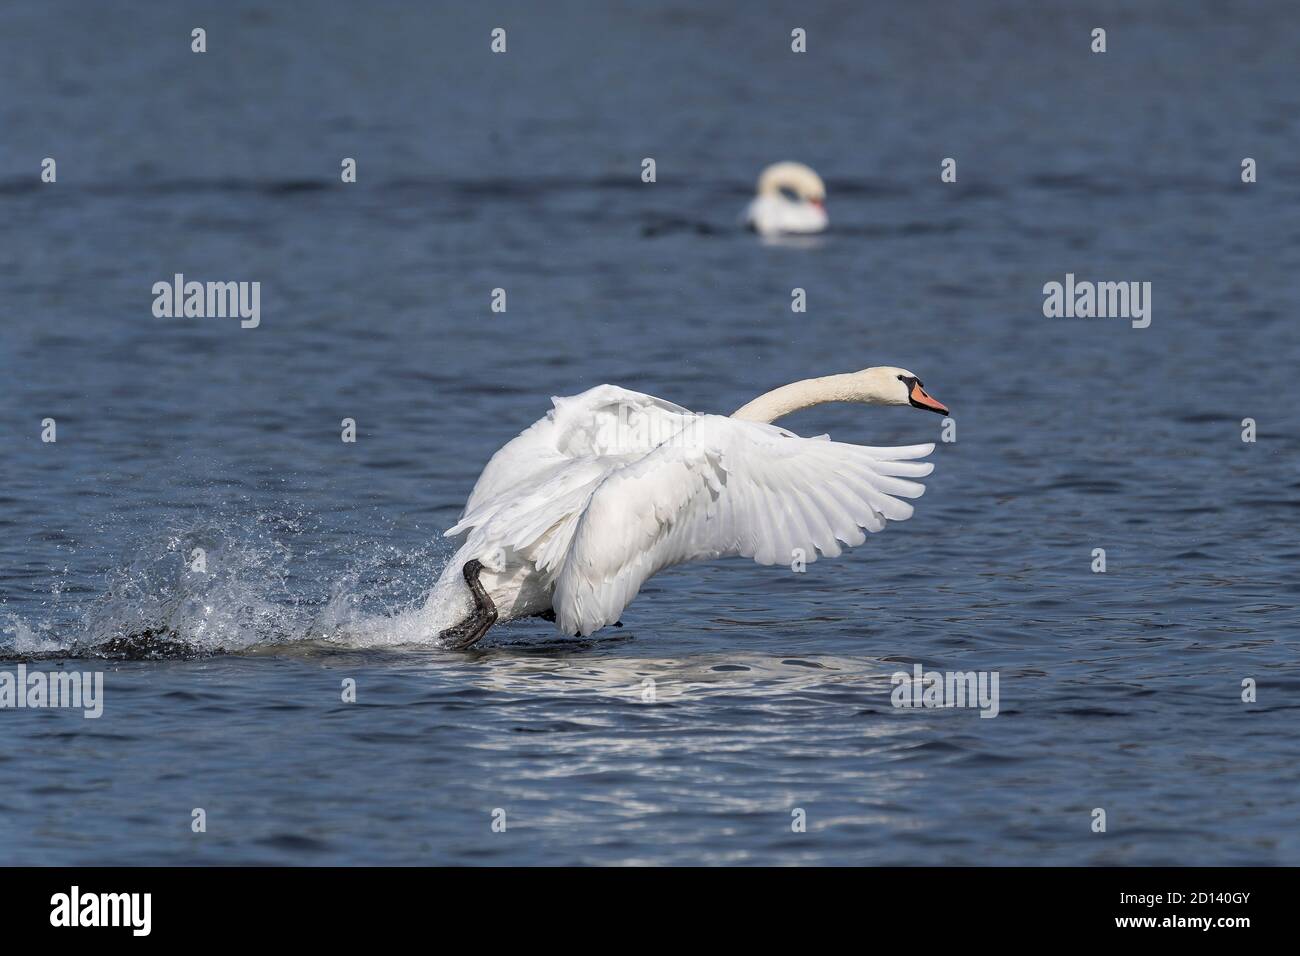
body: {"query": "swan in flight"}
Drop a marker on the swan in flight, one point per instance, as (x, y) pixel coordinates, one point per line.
(791, 201)
(573, 515)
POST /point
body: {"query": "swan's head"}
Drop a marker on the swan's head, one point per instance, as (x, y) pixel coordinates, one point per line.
(794, 181)
(887, 385)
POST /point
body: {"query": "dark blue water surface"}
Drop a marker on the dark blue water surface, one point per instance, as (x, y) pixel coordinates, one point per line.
(1119, 691)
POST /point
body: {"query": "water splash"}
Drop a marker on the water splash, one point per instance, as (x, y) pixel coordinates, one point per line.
(239, 584)
(21, 639)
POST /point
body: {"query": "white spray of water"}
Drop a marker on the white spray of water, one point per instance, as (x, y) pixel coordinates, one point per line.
(254, 591)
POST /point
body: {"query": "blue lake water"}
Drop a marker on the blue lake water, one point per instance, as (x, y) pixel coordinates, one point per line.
(1119, 691)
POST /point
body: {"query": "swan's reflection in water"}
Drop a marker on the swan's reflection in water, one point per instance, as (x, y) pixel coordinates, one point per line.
(794, 242)
(610, 744)
(520, 669)
(728, 743)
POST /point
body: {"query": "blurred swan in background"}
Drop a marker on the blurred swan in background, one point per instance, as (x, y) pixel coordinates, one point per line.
(791, 200)
(572, 516)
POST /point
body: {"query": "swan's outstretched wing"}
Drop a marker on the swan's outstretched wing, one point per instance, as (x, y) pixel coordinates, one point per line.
(605, 421)
(726, 487)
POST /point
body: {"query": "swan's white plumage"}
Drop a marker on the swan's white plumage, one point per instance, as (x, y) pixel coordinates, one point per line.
(740, 488)
(789, 202)
(779, 216)
(613, 486)
(601, 422)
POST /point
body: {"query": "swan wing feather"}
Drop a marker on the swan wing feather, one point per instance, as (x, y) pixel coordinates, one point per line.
(728, 487)
(604, 420)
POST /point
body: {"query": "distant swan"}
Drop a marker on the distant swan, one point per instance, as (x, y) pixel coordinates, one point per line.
(572, 516)
(791, 200)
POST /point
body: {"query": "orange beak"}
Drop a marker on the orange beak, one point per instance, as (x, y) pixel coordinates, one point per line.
(922, 399)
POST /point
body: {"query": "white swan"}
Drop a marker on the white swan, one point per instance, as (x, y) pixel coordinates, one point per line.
(791, 201)
(572, 516)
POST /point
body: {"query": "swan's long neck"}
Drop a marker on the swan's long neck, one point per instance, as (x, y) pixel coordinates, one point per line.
(797, 396)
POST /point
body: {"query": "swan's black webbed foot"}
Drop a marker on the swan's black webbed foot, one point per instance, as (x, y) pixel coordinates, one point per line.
(471, 630)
